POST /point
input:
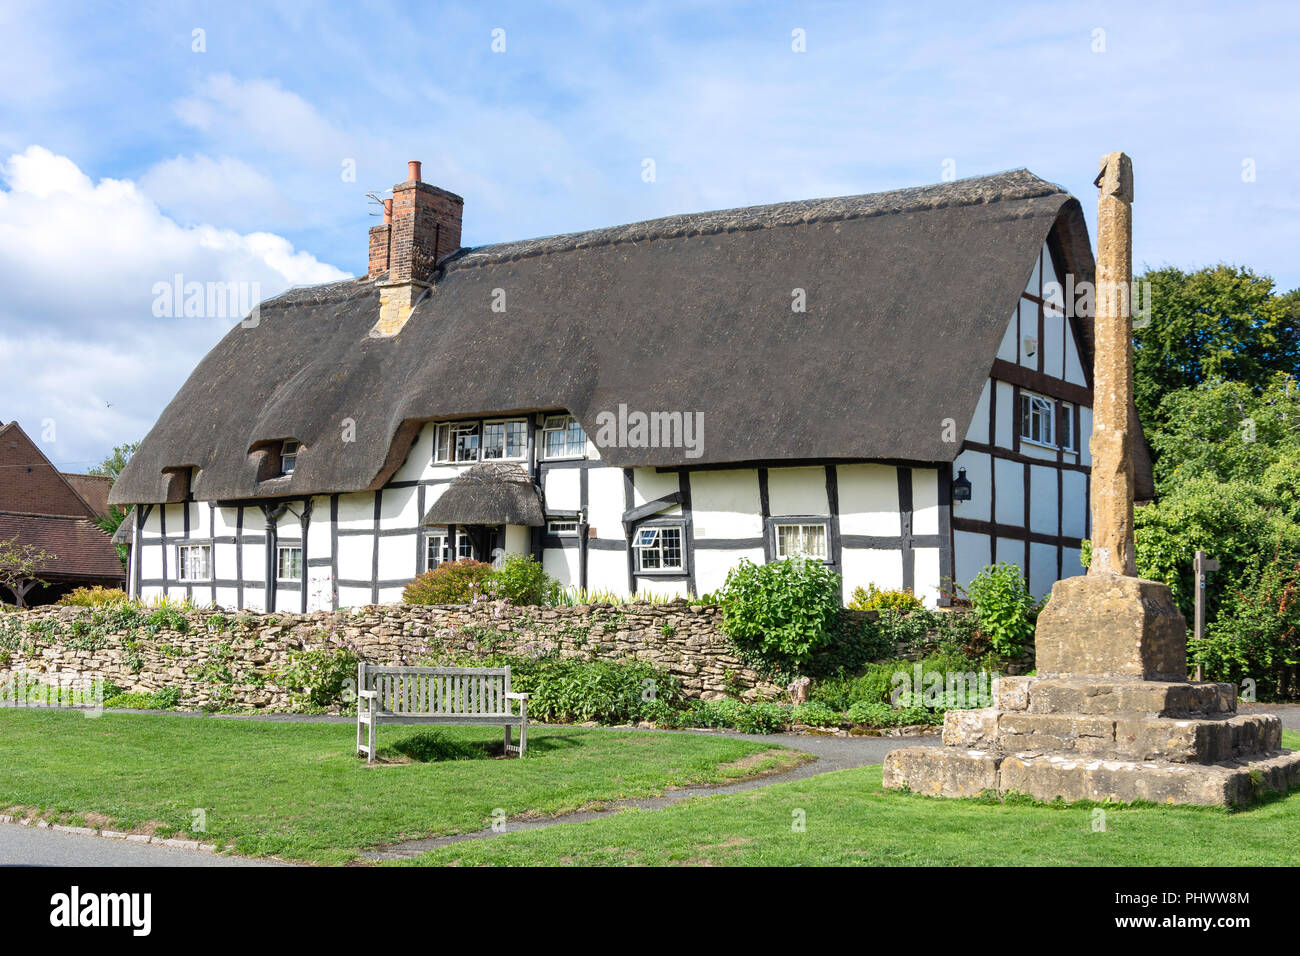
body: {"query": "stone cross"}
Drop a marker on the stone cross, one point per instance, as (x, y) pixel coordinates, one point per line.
(1113, 424)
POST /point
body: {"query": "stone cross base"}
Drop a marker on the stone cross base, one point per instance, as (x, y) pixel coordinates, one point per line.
(1123, 739)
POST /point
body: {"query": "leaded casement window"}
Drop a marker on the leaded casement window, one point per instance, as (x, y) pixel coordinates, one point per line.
(194, 562)
(437, 550)
(806, 539)
(1037, 415)
(565, 527)
(659, 548)
(456, 442)
(289, 456)
(508, 439)
(563, 437)
(288, 562)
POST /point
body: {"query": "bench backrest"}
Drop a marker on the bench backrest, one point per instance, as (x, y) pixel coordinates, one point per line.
(437, 690)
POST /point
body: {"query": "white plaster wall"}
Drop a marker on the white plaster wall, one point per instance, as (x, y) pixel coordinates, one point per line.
(863, 566)
(925, 500)
(868, 499)
(562, 489)
(979, 472)
(725, 504)
(1042, 499)
(396, 557)
(797, 491)
(972, 553)
(926, 572)
(649, 484)
(605, 503)
(562, 564)
(1073, 365)
(1010, 503)
(979, 423)
(1009, 348)
(1011, 551)
(1006, 415)
(1042, 568)
(1028, 329)
(711, 567)
(606, 571)
(1074, 504)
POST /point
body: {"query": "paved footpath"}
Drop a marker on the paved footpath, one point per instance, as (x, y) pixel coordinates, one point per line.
(33, 846)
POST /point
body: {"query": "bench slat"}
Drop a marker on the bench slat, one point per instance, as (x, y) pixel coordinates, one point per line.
(461, 671)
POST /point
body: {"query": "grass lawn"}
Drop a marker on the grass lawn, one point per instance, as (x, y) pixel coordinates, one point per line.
(296, 791)
(849, 819)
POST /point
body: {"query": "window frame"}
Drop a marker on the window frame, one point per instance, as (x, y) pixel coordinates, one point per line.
(462, 542)
(451, 430)
(279, 562)
(1069, 442)
(801, 522)
(569, 533)
(183, 566)
(1051, 407)
(679, 527)
(505, 439)
(290, 448)
(564, 428)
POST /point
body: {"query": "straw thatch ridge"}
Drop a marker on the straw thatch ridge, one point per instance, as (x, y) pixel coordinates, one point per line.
(490, 493)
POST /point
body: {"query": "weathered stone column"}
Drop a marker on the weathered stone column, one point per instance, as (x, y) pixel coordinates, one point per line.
(1112, 436)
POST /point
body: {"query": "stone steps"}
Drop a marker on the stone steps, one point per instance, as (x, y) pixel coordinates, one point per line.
(1206, 739)
(958, 772)
(1079, 695)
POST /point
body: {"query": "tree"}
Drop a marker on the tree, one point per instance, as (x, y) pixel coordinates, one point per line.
(1219, 323)
(21, 566)
(112, 466)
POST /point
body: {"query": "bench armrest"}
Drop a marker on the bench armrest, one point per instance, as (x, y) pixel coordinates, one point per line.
(516, 696)
(368, 694)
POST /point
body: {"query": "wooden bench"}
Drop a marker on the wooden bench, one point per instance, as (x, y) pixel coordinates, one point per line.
(437, 695)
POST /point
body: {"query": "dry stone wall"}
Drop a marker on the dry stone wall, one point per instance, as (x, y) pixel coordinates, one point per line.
(228, 660)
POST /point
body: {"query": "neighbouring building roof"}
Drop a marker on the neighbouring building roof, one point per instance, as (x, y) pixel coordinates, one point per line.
(82, 550)
(908, 296)
(93, 490)
(490, 493)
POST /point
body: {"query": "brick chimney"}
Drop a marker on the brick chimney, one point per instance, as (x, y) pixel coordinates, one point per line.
(421, 225)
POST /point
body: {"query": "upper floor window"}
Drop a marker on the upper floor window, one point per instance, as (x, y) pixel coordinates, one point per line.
(1037, 415)
(457, 441)
(194, 562)
(289, 456)
(1067, 427)
(563, 437)
(800, 539)
(562, 526)
(505, 439)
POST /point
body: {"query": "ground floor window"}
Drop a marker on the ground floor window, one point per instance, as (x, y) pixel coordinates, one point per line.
(288, 563)
(437, 548)
(800, 539)
(562, 526)
(194, 562)
(659, 548)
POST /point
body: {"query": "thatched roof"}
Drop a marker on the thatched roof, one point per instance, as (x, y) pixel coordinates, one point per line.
(908, 295)
(490, 493)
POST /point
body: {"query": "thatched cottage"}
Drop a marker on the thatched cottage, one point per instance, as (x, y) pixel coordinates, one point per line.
(892, 383)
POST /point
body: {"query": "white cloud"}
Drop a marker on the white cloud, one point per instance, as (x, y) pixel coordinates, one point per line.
(79, 260)
(226, 190)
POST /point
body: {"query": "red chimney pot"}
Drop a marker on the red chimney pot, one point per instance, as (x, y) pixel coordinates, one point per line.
(413, 171)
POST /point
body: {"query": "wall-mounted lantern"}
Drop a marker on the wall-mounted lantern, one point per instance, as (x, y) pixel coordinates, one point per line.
(961, 486)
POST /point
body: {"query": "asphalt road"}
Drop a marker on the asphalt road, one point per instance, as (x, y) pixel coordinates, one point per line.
(32, 846)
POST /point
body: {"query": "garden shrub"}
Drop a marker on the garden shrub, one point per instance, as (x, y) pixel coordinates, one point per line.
(93, 597)
(565, 689)
(816, 714)
(452, 582)
(320, 677)
(522, 581)
(782, 612)
(727, 713)
(1003, 608)
(163, 699)
(871, 598)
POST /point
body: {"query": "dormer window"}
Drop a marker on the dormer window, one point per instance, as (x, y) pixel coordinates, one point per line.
(289, 456)
(563, 437)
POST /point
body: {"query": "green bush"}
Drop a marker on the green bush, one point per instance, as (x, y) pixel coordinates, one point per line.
(871, 598)
(163, 699)
(93, 597)
(1004, 608)
(320, 677)
(816, 714)
(521, 580)
(780, 613)
(757, 717)
(611, 692)
(452, 582)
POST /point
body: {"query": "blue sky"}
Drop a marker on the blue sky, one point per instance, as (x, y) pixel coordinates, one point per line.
(126, 156)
